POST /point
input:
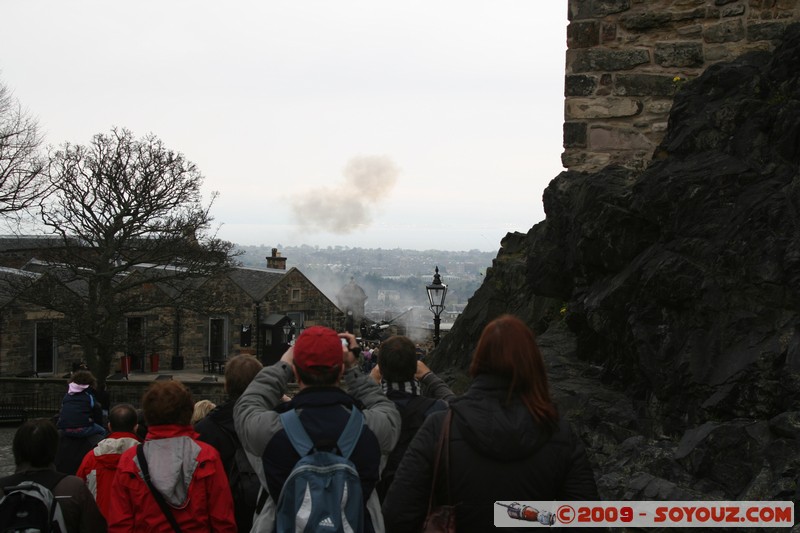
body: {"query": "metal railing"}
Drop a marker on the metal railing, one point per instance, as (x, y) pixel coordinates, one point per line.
(38, 404)
(21, 406)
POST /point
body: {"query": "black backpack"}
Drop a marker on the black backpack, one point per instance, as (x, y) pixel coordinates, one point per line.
(412, 416)
(29, 504)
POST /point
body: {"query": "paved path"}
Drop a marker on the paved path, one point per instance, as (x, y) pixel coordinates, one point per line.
(6, 457)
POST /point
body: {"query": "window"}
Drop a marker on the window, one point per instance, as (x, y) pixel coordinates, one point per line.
(296, 295)
(217, 339)
(45, 350)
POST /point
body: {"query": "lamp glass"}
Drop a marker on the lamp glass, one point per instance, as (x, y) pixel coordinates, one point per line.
(436, 294)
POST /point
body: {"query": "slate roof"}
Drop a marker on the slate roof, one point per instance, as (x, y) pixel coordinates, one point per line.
(256, 282)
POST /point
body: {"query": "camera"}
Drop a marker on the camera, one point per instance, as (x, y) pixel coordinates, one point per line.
(345, 342)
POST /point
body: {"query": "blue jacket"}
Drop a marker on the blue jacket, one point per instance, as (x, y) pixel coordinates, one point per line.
(79, 410)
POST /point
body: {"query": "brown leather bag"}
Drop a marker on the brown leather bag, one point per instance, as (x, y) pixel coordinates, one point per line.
(442, 518)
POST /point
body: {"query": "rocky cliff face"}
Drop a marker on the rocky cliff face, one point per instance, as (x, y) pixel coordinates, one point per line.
(667, 301)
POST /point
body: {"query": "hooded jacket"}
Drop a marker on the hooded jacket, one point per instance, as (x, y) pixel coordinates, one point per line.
(99, 467)
(323, 412)
(498, 452)
(189, 475)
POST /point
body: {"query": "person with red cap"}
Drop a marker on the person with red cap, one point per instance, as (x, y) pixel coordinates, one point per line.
(318, 361)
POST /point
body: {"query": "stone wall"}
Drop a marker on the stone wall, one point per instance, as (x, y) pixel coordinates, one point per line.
(627, 58)
(318, 309)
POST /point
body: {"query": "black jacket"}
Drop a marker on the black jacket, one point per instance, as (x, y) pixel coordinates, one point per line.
(217, 429)
(497, 453)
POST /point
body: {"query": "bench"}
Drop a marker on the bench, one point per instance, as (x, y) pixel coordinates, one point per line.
(13, 412)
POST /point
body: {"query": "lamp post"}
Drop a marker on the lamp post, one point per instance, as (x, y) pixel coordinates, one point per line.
(436, 293)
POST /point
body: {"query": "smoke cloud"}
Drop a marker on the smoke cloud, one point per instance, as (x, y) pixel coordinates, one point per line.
(346, 206)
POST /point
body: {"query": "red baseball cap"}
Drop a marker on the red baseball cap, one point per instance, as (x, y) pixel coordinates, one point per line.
(318, 346)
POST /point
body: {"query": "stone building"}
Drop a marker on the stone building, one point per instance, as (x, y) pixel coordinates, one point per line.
(255, 310)
(627, 58)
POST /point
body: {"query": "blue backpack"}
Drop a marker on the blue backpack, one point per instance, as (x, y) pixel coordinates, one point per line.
(323, 491)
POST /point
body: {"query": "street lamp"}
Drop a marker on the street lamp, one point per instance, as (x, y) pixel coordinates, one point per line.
(436, 293)
(287, 329)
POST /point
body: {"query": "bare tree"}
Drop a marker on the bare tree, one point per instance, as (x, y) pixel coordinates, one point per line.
(20, 164)
(127, 213)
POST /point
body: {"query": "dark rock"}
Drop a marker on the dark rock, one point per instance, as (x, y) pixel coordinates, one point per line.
(786, 425)
(666, 301)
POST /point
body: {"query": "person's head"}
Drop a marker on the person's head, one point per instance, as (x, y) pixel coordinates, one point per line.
(239, 372)
(397, 359)
(35, 443)
(507, 348)
(167, 402)
(83, 377)
(201, 409)
(318, 357)
(123, 417)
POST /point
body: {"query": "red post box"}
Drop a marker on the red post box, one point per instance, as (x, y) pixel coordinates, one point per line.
(125, 363)
(154, 362)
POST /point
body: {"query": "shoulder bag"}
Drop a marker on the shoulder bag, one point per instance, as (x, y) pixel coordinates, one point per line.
(441, 518)
(157, 495)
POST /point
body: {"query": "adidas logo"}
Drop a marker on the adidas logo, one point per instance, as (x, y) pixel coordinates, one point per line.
(326, 522)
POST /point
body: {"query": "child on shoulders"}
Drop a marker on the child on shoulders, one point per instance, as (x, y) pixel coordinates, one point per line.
(81, 413)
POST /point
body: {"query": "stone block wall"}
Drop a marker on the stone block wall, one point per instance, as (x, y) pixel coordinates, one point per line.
(318, 309)
(626, 59)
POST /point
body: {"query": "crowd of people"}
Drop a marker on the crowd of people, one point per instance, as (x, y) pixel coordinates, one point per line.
(370, 418)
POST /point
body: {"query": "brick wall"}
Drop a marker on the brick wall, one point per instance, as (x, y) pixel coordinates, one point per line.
(627, 58)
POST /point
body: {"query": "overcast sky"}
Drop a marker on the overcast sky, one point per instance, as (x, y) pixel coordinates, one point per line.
(415, 124)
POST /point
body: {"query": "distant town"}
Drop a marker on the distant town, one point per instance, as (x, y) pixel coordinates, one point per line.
(393, 279)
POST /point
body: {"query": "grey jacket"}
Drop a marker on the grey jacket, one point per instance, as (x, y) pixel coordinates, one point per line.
(257, 422)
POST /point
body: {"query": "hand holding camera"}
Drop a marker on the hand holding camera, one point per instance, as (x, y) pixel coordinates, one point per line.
(350, 349)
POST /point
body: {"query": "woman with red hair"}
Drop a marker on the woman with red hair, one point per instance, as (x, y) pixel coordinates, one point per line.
(507, 442)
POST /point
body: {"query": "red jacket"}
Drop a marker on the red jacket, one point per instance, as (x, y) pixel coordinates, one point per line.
(99, 466)
(187, 472)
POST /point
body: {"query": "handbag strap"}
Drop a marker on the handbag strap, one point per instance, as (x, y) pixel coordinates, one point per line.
(157, 495)
(442, 448)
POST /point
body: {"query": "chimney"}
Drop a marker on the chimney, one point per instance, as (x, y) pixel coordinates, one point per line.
(276, 261)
